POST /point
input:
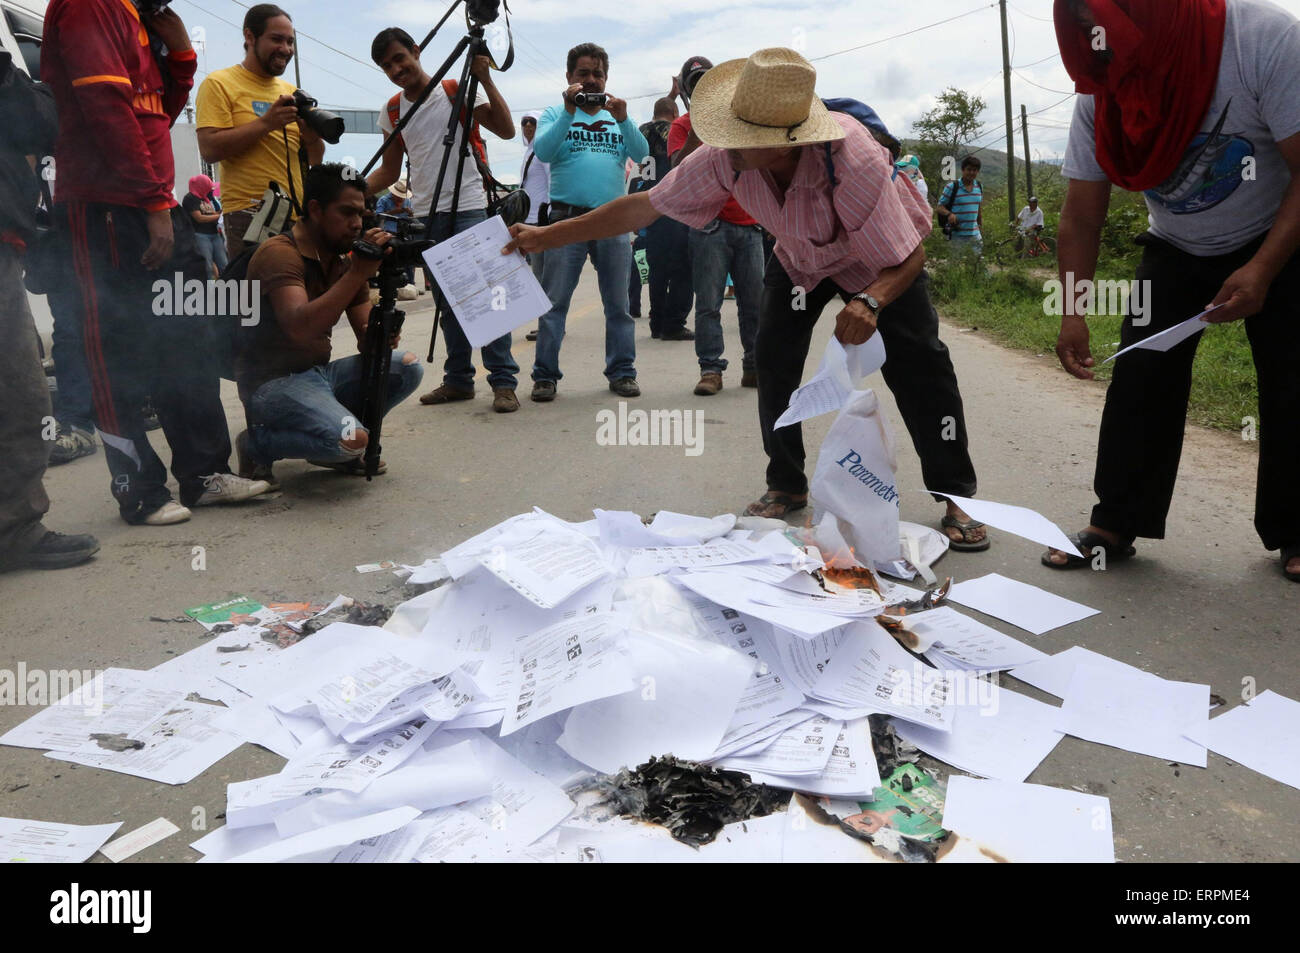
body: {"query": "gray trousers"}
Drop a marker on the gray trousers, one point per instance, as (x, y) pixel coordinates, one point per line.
(25, 414)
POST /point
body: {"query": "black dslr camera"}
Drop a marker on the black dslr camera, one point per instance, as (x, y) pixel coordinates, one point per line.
(322, 122)
(482, 11)
(590, 99)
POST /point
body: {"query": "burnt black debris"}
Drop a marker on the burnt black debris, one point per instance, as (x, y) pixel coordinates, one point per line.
(116, 742)
(358, 613)
(692, 801)
(891, 750)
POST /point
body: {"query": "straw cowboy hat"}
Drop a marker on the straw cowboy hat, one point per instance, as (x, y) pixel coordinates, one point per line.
(400, 190)
(765, 101)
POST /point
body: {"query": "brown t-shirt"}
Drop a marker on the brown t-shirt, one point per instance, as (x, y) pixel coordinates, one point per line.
(281, 261)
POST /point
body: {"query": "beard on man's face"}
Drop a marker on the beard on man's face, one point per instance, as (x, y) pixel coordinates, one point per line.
(273, 61)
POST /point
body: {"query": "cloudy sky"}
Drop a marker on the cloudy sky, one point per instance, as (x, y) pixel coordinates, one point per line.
(896, 56)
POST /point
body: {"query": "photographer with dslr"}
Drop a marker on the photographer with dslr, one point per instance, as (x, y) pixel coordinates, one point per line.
(301, 404)
(250, 122)
(587, 154)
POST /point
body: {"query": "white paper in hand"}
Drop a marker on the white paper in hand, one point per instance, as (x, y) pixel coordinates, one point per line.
(1170, 338)
(841, 368)
(490, 293)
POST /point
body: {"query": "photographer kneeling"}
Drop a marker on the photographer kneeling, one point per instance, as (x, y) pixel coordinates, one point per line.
(300, 403)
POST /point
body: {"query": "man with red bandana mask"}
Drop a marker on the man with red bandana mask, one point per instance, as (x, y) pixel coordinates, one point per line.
(1192, 102)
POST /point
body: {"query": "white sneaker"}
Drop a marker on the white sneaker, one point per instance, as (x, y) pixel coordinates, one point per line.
(228, 488)
(170, 512)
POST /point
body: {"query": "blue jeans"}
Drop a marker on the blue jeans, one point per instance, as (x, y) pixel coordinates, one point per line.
(213, 249)
(305, 415)
(560, 272)
(458, 370)
(73, 403)
(721, 248)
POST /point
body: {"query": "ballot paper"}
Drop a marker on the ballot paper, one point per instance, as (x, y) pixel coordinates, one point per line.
(428, 572)
(340, 766)
(456, 835)
(804, 660)
(1024, 606)
(117, 704)
(179, 745)
(652, 560)
(1170, 338)
(870, 669)
(769, 691)
(967, 642)
(548, 567)
(851, 770)
(490, 293)
(328, 840)
(1030, 823)
(1263, 735)
(840, 369)
(566, 664)
(142, 838)
(752, 738)
(728, 590)
(197, 669)
(49, 842)
(380, 670)
(801, 750)
(428, 780)
(1053, 674)
(464, 557)
(1136, 712)
(1017, 520)
(1004, 738)
(523, 805)
(395, 847)
(625, 529)
(687, 697)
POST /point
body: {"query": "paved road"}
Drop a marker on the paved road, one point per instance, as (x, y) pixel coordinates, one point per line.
(1208, 605)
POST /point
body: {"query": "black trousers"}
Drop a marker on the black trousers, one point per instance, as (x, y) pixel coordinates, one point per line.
(134, 349)
(672, 292)
(1146, 405)
(918, 370)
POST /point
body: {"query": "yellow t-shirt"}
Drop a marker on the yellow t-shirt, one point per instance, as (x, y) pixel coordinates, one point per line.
(234, 97)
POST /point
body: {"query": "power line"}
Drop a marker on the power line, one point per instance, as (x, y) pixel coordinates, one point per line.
(897, 36)
(1036, 62)
(298, 32)
(1030, 15)
(1039, 85)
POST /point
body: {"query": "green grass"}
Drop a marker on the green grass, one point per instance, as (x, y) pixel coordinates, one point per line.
(1008, 305)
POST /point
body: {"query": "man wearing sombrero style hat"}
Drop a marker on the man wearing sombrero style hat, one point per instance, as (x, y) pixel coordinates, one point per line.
(844, 226)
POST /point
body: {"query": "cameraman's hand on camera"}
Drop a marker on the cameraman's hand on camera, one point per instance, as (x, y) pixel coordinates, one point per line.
(366, 268)
(282, 112)
(617, 108)
(161, 239)
(169, 28)
(568, 94)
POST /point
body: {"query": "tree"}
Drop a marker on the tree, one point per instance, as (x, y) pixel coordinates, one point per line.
(952, 123)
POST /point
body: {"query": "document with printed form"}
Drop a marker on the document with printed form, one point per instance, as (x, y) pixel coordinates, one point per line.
(490, 293)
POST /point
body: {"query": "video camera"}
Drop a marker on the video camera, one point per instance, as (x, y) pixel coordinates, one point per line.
(403, 251)
(321, 121)
(590, 99)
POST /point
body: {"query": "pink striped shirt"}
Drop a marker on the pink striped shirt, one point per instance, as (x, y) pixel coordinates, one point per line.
(872, 223)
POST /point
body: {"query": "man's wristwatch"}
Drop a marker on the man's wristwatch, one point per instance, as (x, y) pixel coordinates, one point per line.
(869, 301)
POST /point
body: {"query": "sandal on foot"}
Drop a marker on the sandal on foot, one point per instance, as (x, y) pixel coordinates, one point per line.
(965, 544)
(1289, 553)
(1087, 542)
(788, 502)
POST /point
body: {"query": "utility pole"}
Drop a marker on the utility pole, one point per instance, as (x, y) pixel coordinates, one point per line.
(1029, 166)
(1011, 133)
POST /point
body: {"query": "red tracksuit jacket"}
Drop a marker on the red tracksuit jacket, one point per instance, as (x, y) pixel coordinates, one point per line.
(115, 114)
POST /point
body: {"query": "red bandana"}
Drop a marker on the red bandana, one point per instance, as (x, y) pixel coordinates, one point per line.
(1153, 95)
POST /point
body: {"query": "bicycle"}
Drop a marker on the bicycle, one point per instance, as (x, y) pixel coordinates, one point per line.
(1025, 246)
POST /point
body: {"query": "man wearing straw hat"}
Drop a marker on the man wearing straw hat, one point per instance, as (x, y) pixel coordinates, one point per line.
(844, 226)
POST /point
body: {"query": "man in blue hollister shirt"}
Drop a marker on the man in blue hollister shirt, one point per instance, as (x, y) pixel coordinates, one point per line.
(587, 148)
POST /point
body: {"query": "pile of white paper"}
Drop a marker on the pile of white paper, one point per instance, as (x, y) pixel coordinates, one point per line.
(556, 651)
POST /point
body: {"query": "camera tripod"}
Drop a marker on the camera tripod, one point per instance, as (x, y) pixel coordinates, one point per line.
(478, 15)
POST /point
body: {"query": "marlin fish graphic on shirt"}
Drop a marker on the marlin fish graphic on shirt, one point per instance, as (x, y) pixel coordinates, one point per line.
(1209, 173)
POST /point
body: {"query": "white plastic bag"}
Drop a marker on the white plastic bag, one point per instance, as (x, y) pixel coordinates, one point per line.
(854, 481)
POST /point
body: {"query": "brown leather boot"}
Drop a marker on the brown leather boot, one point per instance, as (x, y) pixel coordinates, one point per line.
(710, 383)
